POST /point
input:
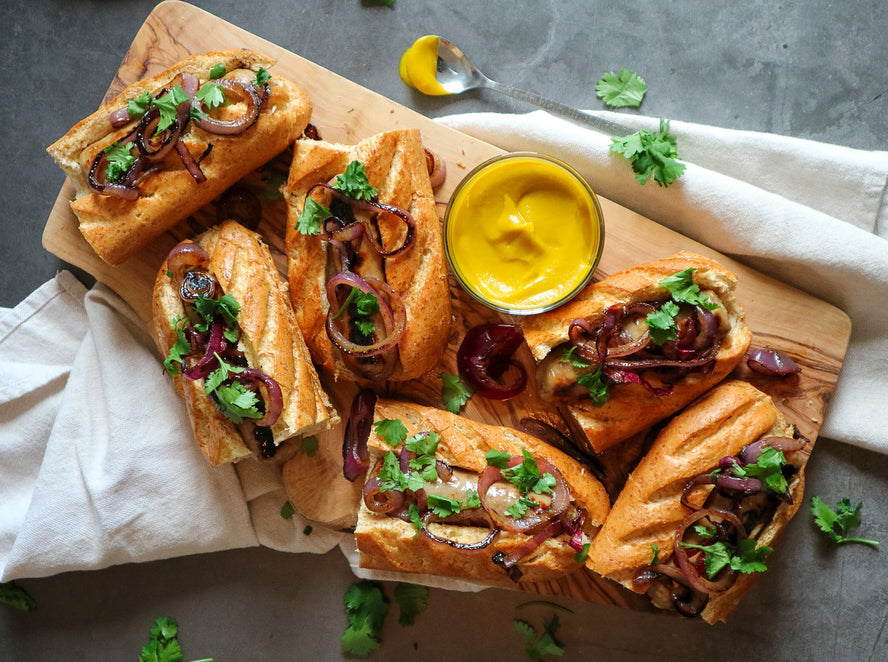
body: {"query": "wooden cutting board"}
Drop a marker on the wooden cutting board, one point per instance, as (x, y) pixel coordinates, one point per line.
(813, 332)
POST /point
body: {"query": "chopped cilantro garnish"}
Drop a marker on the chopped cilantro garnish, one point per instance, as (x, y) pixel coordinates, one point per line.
(768, 468)
(661, 323)
(412, 600)
(521, 506)
(272, 189)
(392, 478)
(746, 557)
(392, 431)
(413, 513)
(454, 392)
(163, 645)
(287, 510)
(226, 306)
(498, 459)
(120, 159)
(683, 289)
(472, 499)
(353, 182)
(569, 355)
(443, 506)
(211, 95)
(597, 385)
(312, 216)
(365, 610)
(536, 646)
(217, 71)
(237, 402)
(655, 554)
(837, 523)
(167, 104)
(262, 76)
(13, 595)
(651, 155)
(179, 349)
(309, 446)
(580, 556)
(625, 88)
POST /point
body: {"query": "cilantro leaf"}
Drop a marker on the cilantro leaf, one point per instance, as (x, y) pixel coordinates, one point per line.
(272, 189)
(179, 349)
(597, 385)
(836, 523)
(472, 499)
(683, 289)
(353, 182)
(625, 88)
(137, 107)
(309, 446)
(651, 155)
(13, 595)
(226, 306)
(570, 356)
(526, 475)
(167, 104)
(498, 459)
(544, 644)
(236, 402)
(424, 443)
(413, 513)
(520, 506)
(365, 610)
(211, 95)
(655, 554)
(768, 468)
(580, 556)
(163, 645)
(287, 510)
(661, 323)
(120, 159)
(454, 392)
(217, 71)
(392, 478)
(412, 600)
(392, 431)
(443, 506)
(262, 77)
(745, 558)
(312, 217)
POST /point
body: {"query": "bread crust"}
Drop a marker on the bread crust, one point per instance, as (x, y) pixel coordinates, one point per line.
(632, 408)
(395, 165)
(270, 339)
(387, 543)
(117, 228)
(648, 510)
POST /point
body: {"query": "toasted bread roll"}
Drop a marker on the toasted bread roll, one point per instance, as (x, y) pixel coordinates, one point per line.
(649, 510)
(387, 542)
(269, 340)
(395, 164)
(116, 227)
(632, 407)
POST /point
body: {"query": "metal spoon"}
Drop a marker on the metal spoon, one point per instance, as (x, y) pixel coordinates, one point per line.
(456, 74)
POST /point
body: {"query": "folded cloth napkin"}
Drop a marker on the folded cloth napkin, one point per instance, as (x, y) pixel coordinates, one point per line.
(810, 214)
(93, 468)
(93, 471)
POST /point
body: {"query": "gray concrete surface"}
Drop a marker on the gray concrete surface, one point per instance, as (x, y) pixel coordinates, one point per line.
(813, 69)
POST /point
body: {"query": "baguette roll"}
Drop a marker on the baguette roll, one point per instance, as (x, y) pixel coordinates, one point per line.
(395, 164)
(269, 340)
(649, 511)
(387, 542)
(115, 227)
(633, 407)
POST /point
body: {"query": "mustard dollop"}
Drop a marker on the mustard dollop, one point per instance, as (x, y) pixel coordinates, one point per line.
(523, 233)
(419, 64)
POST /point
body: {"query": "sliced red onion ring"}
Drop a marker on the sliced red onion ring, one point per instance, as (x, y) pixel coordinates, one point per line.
(98, 182)
(152, 146)
(485, 354)
(391, 310)
(240, 124)
(209, 361)
(461, 546)
(680, 553)
(273, 397)
(508, 560)
(771, 362)
(355, 457)
(378, 501)
(190, 164)
(750, 453)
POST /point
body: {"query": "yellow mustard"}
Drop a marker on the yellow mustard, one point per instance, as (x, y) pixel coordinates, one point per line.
(523, 233)
(419, 64)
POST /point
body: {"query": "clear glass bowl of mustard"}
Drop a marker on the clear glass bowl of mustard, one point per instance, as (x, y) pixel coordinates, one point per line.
(523, 233)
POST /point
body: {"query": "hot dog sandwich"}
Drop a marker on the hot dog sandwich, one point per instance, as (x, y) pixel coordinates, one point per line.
(698, 516)
(367, 272)
(450, 496)
(222, 320)
(639, 345)
(168, 145)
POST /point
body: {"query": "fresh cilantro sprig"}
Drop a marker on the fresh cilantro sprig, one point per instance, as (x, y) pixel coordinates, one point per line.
(625, 88)
(366, 305)
(225, 306)
(163, 645)
(287, 510)
(682, 289)
(454, 392)
(544, 643)
(412, 600)
(651, 154)
(353, 182)
(120, 159)
(262, 77)
(768, 468)
(212, 95)
(309, 446)
(745, 557)
(392, 431)
(839, 522)
(13, 595)
(655, 554)
(366, 607)
(597, 385)
(312, 217)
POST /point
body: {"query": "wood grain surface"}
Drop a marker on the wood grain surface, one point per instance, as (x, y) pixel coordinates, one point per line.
(813, 332)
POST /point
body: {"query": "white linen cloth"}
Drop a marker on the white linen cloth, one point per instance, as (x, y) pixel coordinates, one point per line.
(93, 471)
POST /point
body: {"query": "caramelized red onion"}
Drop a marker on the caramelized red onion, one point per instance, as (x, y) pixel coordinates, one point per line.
(210, 359)
(378, 501)
(771, 362)
(436, 166)
(485, 354)
(465, 547)
(527, 547)
(680, 552)
(392, 313)
(272, 395)
(355, 457)
(247, 92)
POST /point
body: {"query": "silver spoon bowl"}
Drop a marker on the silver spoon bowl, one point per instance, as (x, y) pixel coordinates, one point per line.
(456, 74)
